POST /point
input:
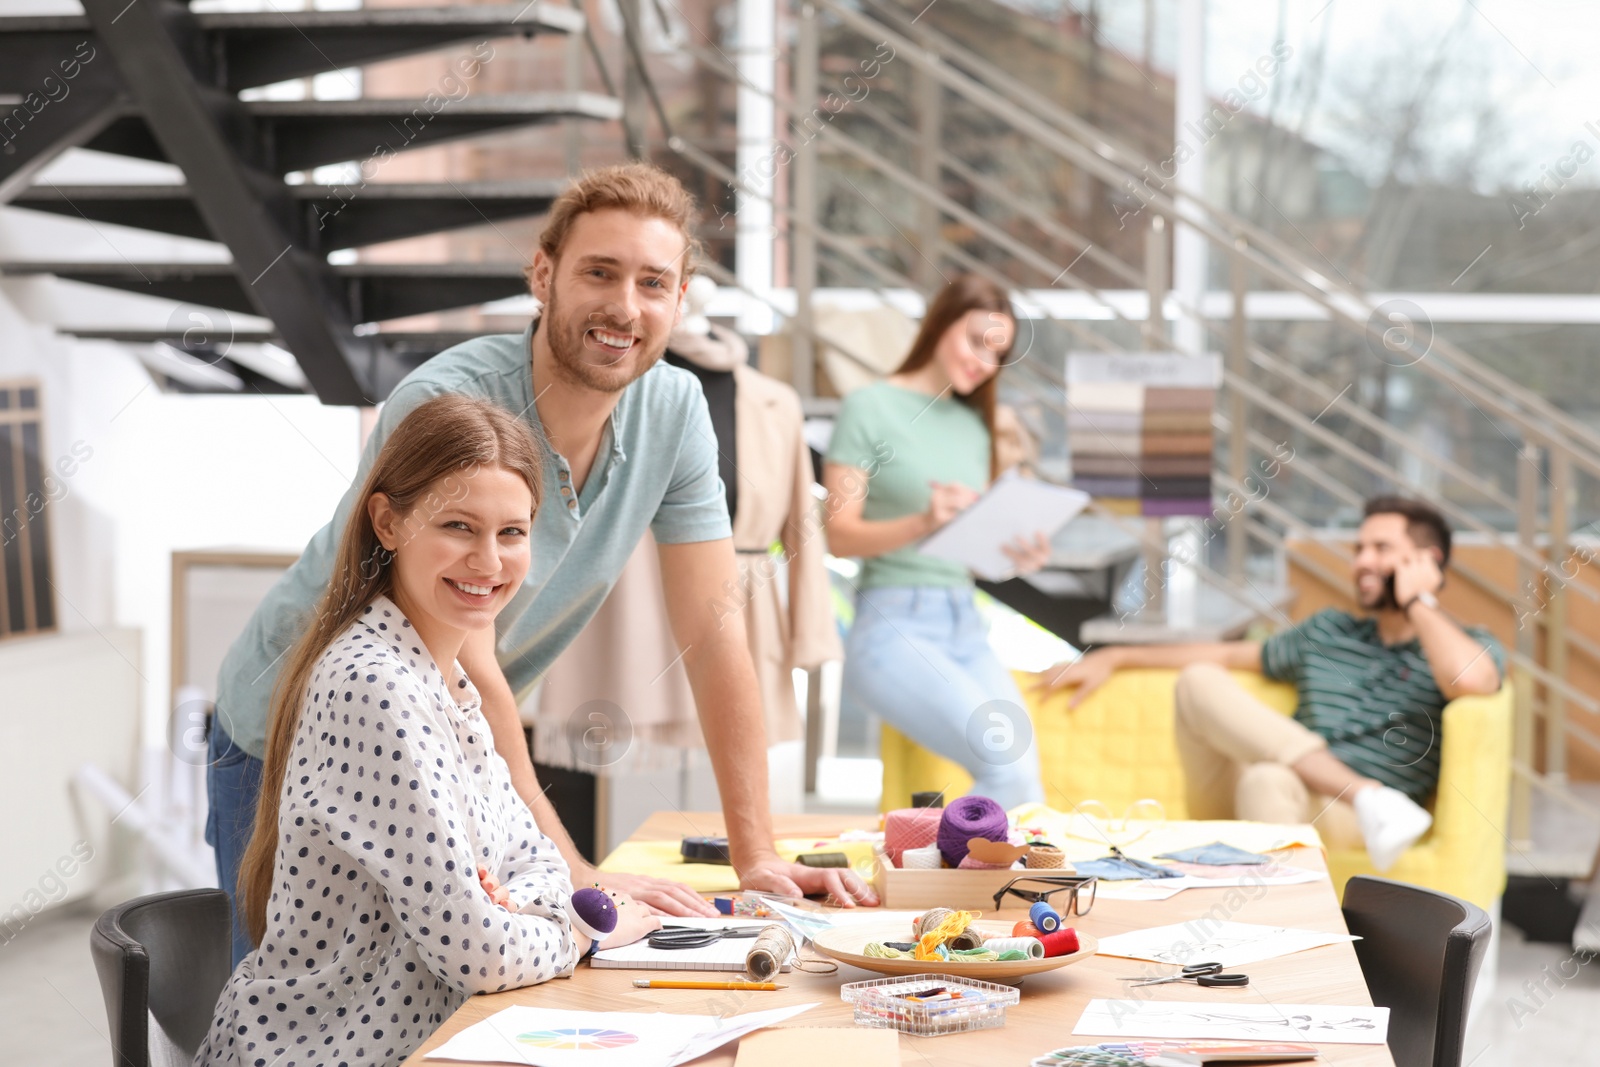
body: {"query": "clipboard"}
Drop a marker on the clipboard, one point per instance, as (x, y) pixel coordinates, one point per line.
(1012, 507)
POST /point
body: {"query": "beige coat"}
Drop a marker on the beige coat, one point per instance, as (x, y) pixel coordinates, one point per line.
(626, 655)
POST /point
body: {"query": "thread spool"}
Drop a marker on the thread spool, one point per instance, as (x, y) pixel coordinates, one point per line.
(921, 859)
(967, 939)
(1046, 918)
(1031, 945)
(1046, 858)
(909, 828)
(929, 919)
(1063, 942)
(966, 818)
(1026, 929)
(772, 948)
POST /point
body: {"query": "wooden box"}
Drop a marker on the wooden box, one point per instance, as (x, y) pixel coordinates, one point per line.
(947, 887)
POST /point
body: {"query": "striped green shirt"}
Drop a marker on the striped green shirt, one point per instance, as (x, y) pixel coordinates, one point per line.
(1377, 705)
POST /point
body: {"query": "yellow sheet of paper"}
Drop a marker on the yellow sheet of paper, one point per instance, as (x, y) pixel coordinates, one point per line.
(663, 860)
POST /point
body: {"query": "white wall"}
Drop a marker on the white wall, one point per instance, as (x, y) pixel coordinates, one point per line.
(163, 472)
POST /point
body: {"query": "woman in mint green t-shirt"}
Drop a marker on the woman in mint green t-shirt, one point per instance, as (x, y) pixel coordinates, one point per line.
(907, 454)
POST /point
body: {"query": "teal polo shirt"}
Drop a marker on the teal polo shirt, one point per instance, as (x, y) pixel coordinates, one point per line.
(1377, 705)
(656, 469)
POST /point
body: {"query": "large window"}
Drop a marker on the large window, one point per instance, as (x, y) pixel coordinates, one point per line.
(27, 595)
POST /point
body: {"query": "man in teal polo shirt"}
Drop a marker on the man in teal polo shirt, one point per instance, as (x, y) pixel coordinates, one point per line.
(629, 448)
(1361, 753)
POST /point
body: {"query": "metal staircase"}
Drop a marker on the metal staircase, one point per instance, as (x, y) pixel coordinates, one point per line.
(155, 81)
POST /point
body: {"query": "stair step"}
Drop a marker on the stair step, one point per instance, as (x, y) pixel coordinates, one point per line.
(406, 342)
(261, 47)
(334, 216)
(302, 134)
(1565, 841)
(376, 291)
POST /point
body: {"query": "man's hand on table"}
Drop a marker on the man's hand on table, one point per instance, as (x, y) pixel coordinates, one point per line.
(661, 896)
(769, 874)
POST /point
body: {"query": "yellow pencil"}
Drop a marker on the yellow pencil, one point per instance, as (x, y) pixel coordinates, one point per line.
(657, 983)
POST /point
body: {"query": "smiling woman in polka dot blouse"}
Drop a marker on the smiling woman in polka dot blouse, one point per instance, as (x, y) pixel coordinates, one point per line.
(398, 871)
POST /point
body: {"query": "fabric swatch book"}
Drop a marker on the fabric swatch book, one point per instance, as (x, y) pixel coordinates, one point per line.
(725, 955)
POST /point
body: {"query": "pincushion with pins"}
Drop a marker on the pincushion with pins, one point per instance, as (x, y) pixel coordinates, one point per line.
(593, 912)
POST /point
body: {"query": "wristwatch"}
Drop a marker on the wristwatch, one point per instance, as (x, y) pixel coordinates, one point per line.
(1426, 598)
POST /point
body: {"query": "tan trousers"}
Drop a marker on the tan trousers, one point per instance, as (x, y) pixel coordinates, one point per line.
(1237, 759)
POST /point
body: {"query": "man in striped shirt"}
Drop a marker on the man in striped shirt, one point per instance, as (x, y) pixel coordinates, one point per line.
(1361, 753)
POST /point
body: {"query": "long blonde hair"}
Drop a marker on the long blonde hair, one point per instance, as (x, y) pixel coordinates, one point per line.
(437, 446)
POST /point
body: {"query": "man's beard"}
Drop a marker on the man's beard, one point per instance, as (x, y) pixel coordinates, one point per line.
(565, 337)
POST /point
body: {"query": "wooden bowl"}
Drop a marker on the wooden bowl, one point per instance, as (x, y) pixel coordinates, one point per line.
(845, 944)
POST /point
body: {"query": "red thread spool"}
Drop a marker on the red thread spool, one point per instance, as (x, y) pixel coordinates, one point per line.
(1062, 942)
(1026, 929)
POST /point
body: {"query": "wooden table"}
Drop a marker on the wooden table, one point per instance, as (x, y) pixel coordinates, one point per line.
(1051, 1002)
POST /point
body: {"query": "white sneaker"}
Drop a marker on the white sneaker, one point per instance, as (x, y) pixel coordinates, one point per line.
(1391, 822)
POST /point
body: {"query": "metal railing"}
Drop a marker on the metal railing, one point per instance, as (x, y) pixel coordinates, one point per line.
(1260, 387)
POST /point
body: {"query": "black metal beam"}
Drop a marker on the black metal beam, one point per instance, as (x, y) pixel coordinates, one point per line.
(328, 217)
(349, 216)
(382, 291)
(126, 134)
(162, 208)
(258, 48)
(375, 291)
(61, 48)
(302, 134)
(27, 146)
(66, 91)
(151, 43)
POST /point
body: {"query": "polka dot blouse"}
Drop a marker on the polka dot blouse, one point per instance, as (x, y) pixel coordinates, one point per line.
(378, 927)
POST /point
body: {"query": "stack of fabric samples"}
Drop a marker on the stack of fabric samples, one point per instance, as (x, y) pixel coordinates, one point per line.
(1142, 447)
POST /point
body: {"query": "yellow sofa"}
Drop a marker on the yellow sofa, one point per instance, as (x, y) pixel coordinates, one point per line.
(1117, 747)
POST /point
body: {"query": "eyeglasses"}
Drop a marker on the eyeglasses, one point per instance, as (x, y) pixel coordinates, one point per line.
(1036, 887)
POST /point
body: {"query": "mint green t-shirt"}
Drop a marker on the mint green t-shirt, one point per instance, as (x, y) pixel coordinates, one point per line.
(656, 469)
(903, 440)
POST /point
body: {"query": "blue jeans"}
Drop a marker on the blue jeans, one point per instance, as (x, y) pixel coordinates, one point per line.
(919, 657)
(233, 782)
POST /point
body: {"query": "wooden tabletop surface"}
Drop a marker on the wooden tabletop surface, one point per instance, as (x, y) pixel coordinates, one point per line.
(1051, 1002)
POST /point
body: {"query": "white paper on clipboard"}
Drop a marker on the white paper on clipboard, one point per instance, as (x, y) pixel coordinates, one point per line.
(1012, 507)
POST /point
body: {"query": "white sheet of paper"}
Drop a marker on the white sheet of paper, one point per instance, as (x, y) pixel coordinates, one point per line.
(1315, 1023)
(1162, 888)
(1228, 943)
(558, 1037)
(1012, 507)
(736, 1026)
(809, 924)
(725, 955)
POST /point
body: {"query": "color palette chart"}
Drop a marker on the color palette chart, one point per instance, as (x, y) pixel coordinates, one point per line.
(1139, 430)
(573, 1037)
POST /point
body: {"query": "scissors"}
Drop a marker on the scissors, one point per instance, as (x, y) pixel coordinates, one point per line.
(1206, 974)
(694, 937)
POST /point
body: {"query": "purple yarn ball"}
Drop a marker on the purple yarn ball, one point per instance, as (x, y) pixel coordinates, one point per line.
(966, 818)
(594, 907)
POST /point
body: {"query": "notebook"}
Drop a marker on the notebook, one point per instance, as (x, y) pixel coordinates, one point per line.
(726, 955)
